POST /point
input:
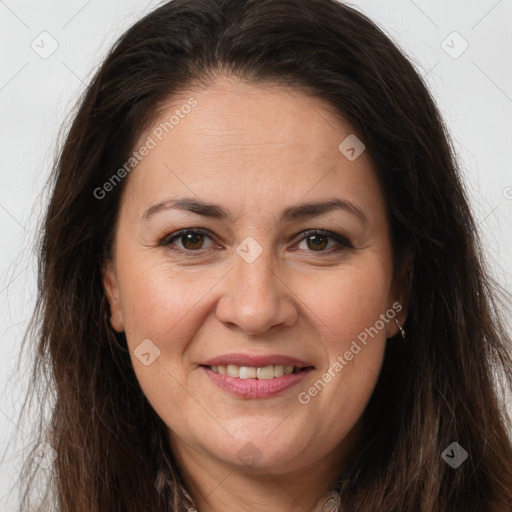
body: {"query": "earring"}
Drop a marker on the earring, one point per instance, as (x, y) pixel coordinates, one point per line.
(402, 332)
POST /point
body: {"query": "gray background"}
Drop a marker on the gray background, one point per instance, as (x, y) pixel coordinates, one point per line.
(473, 91)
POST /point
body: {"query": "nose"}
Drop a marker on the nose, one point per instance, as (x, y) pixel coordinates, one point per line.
(255, 298)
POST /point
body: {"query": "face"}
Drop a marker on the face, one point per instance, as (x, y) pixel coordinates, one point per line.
(224, 281)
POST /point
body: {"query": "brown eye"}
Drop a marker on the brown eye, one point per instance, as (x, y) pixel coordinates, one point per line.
(316, 242)
(189, 240)
(192, 241)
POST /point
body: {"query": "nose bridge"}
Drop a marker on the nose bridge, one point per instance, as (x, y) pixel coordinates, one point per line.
(254, 278)
(255, 275)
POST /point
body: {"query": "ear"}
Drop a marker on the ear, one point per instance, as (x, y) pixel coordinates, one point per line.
(111, 287)
(400, 295)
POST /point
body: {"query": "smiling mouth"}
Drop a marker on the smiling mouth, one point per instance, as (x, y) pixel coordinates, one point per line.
(261, 373)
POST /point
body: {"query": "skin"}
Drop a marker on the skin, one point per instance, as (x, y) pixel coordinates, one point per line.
(254, 150)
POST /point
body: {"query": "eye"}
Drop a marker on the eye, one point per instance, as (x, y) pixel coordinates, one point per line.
(318, 240)
(191, 240)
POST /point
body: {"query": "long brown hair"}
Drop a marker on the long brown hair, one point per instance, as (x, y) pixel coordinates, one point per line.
(440, 386)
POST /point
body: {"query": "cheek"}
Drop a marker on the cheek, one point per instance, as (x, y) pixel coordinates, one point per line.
(161, 305)
(349, 305)
(158, 304)
(350, 299)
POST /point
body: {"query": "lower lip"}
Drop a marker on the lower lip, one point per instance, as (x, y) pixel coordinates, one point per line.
(255, 388)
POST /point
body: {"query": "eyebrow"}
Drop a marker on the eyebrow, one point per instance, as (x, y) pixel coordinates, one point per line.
(304, 210)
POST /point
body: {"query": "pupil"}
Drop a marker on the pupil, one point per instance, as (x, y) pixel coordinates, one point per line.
(192, 238)
(317, 244)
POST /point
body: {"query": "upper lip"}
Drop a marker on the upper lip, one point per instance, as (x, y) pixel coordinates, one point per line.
(256, 361)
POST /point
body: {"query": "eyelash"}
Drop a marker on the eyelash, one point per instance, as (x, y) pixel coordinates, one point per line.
(343, 243)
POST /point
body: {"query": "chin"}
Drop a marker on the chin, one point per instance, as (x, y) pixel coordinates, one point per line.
(259, 448)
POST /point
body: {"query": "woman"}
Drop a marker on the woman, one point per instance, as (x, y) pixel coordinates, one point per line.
(260, 282)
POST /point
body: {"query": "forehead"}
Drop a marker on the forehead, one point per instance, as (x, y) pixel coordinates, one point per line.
(250, 145)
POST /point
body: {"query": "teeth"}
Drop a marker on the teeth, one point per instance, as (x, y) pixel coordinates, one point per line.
(267, 372)
(249, 372)
(288, 370)
(246, 372)
(233, 371)
(279, 370)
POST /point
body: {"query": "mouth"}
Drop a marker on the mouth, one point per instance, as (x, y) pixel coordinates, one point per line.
(256, 376)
